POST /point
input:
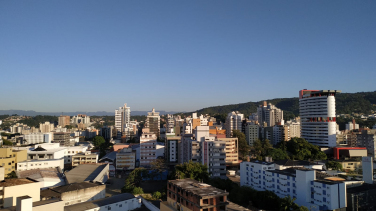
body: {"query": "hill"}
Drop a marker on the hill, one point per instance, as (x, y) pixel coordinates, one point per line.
(346, 103)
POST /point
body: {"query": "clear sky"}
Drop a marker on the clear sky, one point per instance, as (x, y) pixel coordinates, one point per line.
(91, 55)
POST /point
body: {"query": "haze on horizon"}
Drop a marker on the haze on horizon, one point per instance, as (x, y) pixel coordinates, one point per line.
(93, 55)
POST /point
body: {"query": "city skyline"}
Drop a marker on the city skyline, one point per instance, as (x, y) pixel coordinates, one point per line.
(95, 56)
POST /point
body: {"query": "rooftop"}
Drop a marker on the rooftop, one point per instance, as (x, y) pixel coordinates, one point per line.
(57, 191)
(294, 162)
(40, 173)
(99, 203)
(84, 172)
(14, 182)
(201, 189)
(111, 156)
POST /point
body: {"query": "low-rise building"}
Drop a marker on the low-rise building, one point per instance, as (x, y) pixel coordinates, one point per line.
(10, 189)
(88, 172)
(84, 158)
(191, 195)
(121, 202)
(47, 177)
(39, 164)
(9, 159)
(75, 193)
(125, 159)
(311, 188)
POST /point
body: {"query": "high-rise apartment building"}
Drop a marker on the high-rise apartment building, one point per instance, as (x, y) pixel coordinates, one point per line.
(63, 120)
(80, 118)
(269, 113)
(251, 133)
(148, 147)
(153, 122)
(318, 116)
(170, 123)
(46, 127)
(233, 122)
(352, 125)
(122, 120)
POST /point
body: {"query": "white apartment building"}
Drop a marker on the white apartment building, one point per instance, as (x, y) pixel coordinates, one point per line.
(80, 118)
(293, 128)
(213, 155)
(70, 151)
(46, 151)
(46, 127)
(269, 113)
(312, 189)
(203, 120)
(170, 123)
(37, 138)
(40, 164)
(233, 122)
(122, 119)
(352, 125)
(318, 116)
(148, 148)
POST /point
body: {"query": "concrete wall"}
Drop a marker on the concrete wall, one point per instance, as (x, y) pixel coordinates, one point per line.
(83, 195)
(38, 164)
(55, 206)
(11, 193)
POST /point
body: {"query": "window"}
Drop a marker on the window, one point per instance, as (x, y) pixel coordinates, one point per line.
(109, 208)
(120, 205)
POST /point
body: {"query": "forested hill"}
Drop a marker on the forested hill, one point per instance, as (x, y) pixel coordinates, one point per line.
(346, 103)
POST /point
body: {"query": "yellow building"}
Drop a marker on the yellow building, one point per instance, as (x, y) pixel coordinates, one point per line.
(9, 159)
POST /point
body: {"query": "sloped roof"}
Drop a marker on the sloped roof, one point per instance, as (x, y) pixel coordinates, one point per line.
(84, 172)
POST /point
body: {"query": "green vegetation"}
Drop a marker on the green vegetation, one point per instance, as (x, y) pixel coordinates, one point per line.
(6, 142)
(36, 120)
(11, 175)
(346, 103)
(98, 141)
(295, 149)
(3, 116)
(68, 126)
(157, 195)
(334, 165)
(265, 200)
(157, 168)
(137, 191)
(243, 146)
(193, 170)
(133, 180)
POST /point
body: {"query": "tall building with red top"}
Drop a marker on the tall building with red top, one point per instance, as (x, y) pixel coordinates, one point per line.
(318, 116)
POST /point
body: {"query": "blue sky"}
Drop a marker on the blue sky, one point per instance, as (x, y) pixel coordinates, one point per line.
(180, 55)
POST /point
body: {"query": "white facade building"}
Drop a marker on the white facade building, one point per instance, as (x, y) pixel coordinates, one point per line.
(233, 122)
(148, 148)
(122, 119)
(318, 116)
(352, 126)
(39, 164)
(46, 127)
(37, 138)
(312, 189)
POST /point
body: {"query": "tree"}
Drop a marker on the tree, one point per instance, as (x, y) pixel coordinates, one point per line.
(8, 143)
(243, 146)
(68, 126)
(278, 154)
(157, 167)
(288, 204)
(11, 175)
(133, 180)
(98, 141)
(193, 170)
(137, 191)
(157, 195)
(334, 165)
(300, 149)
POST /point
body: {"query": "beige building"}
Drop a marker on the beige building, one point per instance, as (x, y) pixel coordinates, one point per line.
(84, 158)
(153, 122)
(148, 150)
(10, 189)
(46, 127)
(351, 165)
(125, 159)
(9, 159)
(232, 153)
(63, 120)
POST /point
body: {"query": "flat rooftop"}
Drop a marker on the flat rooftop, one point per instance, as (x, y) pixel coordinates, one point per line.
(84, 172)
(99, 202)
(14, 182)
(40, 173)
(201, 189)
